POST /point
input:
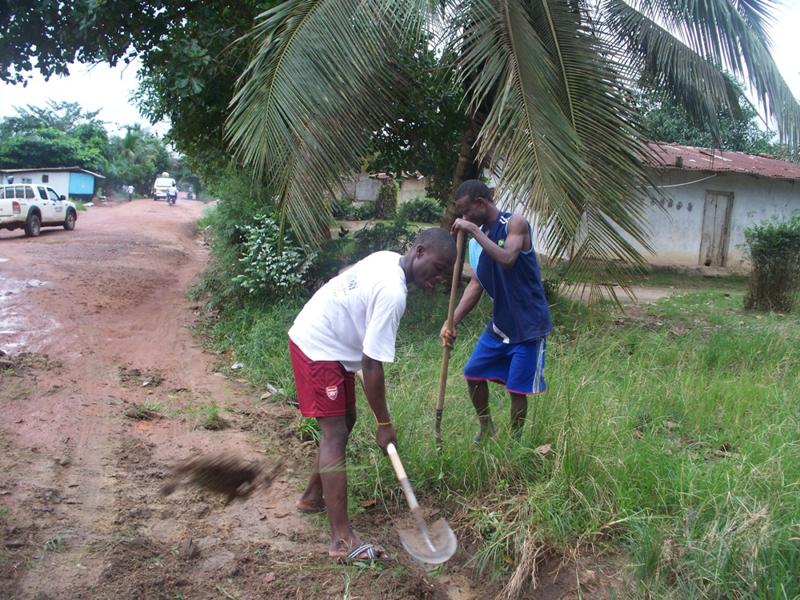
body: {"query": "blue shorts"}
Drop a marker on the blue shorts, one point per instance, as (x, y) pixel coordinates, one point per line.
(519, 367)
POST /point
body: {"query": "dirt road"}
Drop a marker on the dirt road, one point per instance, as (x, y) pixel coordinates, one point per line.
(95, 325)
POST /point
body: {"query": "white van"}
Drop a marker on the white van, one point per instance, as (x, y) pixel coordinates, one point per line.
(162, 185)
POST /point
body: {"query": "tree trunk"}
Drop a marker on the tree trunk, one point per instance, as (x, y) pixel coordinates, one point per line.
(467, 167)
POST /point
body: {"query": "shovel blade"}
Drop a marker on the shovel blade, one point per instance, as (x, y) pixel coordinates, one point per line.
(437, 547)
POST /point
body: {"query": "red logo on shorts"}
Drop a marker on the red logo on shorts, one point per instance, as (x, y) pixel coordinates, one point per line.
(332, 391)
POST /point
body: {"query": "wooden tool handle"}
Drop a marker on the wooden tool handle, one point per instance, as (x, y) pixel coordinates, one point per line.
(451, 309)
(391, 450)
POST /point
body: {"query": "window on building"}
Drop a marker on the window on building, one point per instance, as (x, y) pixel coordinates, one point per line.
(45, 178)
(27, 180)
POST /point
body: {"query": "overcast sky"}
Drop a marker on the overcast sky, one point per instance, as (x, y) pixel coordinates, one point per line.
(107, 89)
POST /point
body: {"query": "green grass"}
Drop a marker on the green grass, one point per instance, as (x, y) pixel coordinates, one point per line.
(675, 439)
(210, 418)
(683, 278)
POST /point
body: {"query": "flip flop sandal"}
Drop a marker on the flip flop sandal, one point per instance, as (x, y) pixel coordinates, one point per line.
(313, 511)
(370, 550)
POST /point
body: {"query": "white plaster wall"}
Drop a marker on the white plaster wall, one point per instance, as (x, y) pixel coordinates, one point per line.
(364, 188)
(367, 189)
(59, 180)
(676, 230)
(412, 188)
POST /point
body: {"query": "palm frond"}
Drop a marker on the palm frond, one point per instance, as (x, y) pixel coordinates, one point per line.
(319, 82)
(559, 130)
(504, 65)
(732, 33)
(670, 65)
(607, 127)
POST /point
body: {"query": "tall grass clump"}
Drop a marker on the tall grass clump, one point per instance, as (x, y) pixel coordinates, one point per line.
(774, 250)
(674, 446)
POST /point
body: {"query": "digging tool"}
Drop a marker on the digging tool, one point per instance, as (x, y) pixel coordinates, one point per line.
(433, 545)
(451, 307)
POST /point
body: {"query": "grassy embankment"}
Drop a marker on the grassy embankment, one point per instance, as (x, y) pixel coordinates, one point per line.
(674, 435)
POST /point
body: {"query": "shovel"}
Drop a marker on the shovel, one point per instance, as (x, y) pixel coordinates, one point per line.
(451, 307)
(433, 545)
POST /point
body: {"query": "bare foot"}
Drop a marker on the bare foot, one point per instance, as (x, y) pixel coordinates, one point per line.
(310, 508)
(486, 433)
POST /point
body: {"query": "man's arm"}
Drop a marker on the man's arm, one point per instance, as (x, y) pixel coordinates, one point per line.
(375, 389)
(515, 241)
(472, 293)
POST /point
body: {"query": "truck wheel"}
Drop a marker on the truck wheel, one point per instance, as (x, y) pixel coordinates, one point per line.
(69, 222)
(33, 225)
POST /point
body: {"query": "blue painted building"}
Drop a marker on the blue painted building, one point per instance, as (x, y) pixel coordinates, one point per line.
(73, 182)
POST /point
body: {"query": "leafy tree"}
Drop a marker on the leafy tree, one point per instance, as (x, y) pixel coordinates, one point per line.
(61, 134)
(189, 62)
(63, 116)
(57, 135)
(664, 120)
(425, 134)
(546, 96)
(138, 157)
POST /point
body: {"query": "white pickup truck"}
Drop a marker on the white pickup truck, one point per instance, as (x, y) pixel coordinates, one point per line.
(33, 206)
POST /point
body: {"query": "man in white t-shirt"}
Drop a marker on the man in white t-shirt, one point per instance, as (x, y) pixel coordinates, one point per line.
(350, 324)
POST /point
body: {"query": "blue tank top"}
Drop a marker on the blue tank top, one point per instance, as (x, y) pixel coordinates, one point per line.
(520, 307)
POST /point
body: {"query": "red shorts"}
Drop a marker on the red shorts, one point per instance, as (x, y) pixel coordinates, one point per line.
(324, 387)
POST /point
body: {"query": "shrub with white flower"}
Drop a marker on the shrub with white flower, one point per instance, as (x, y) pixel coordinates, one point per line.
(264, 270)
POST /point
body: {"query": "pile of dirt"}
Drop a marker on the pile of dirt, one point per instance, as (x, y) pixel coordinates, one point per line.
(131, 377)
(25, 362)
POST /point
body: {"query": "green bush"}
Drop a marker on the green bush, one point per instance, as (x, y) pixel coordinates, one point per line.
(332, 256)
(266, 270)
(774, 250)
(341, 208)
(361, 212)
(386, 203)
(394, 235)
(422, 210)
(224, 229)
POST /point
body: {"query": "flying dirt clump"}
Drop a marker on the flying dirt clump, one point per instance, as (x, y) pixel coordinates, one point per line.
(222, 473)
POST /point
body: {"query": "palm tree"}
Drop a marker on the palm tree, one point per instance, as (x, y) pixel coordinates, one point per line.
(546, 84)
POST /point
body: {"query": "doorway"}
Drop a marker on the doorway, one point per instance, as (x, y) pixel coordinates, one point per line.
(716, 225)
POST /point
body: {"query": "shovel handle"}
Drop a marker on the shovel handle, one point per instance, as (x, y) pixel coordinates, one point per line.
(451, 309)
(391, 450)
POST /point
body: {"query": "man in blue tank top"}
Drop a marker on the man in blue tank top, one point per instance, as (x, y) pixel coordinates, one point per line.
(511, 350)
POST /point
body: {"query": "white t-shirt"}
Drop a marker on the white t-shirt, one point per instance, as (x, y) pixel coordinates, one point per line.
(357, 312)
